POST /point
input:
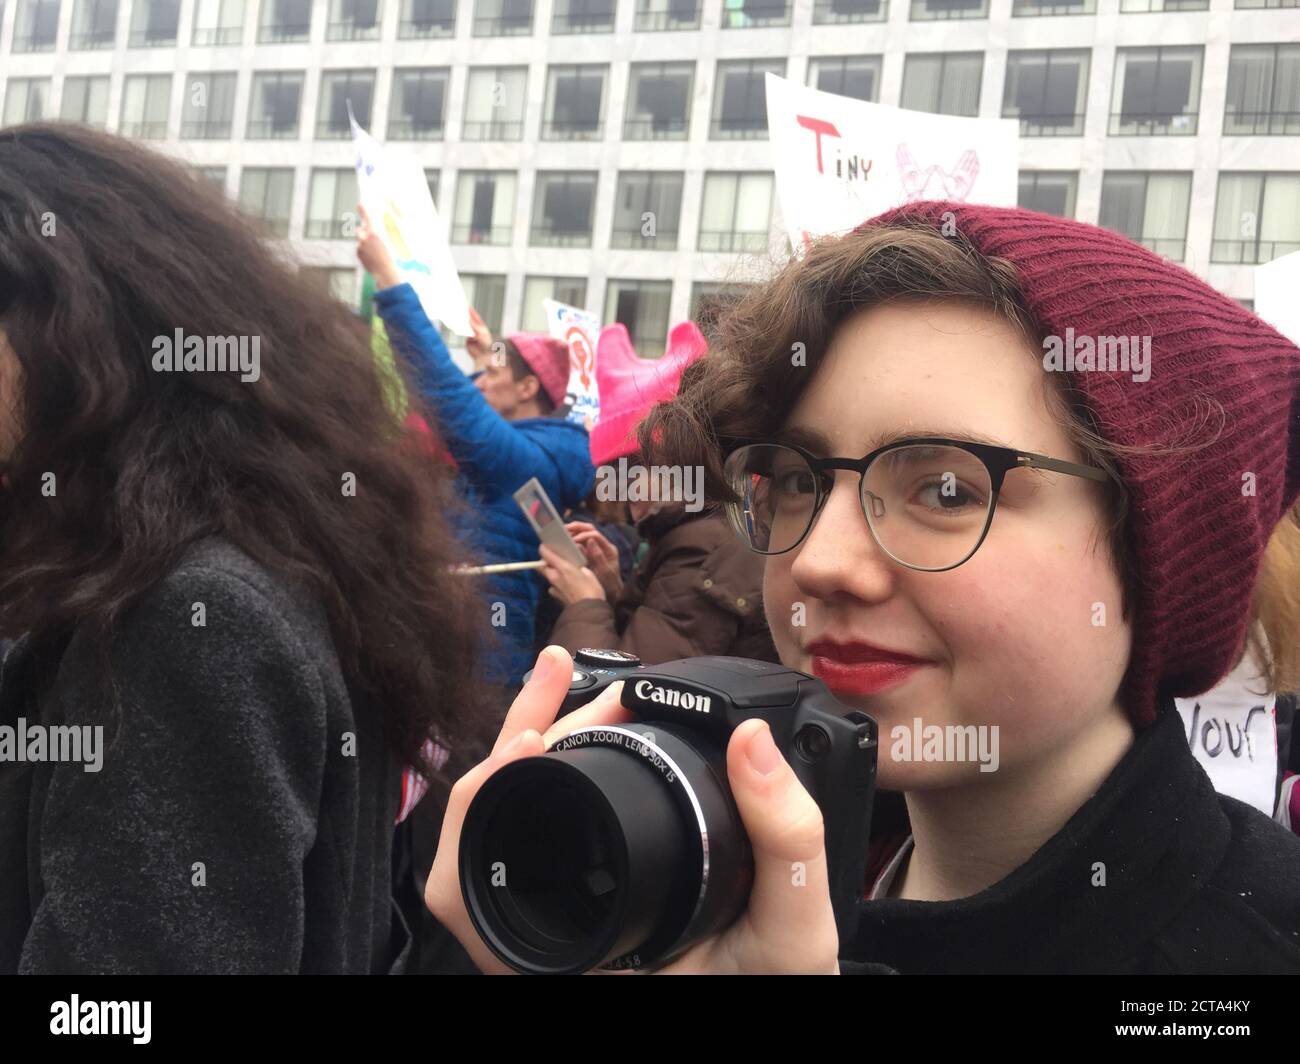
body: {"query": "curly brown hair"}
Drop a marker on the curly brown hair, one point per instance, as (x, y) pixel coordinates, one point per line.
(105, 246)
(750, 380)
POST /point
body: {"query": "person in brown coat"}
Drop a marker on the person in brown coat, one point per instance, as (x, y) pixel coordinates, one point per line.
(697, 591)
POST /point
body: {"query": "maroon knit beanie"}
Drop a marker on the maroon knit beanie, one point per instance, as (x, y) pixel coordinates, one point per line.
(1197, 523)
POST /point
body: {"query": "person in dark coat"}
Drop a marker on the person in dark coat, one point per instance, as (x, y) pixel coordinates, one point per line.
(697, 591)
(230, 571)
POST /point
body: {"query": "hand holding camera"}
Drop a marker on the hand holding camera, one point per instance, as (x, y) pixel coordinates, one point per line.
(665, 825)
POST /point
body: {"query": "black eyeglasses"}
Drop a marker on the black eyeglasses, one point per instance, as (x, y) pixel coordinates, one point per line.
(928, 501)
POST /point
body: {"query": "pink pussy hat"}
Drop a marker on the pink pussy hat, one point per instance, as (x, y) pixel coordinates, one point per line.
(548, 358)
(629, 386)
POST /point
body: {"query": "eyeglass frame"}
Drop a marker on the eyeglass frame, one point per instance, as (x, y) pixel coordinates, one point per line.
(997, 460)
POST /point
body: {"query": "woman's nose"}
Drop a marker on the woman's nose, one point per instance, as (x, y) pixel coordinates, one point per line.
(839, 555)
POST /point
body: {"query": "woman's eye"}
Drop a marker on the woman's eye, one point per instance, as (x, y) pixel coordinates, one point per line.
(947, 495)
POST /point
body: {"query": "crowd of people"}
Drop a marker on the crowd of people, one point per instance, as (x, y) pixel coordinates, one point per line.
(269, 593)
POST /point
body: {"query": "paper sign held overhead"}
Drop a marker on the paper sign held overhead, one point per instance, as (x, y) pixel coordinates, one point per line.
(580, 331)
(839, 161)
(1277, 294)
(396, 196)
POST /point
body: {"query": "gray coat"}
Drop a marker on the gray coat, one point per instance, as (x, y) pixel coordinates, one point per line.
(242, 817)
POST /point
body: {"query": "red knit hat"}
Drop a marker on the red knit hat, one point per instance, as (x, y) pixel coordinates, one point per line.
(548, 358)
(1198, 524)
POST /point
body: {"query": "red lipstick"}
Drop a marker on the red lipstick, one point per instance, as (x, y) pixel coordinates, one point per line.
(860, 668)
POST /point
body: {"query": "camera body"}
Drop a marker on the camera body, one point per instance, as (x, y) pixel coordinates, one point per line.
(621, 846)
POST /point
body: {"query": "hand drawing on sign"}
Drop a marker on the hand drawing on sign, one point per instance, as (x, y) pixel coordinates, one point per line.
(956, 184)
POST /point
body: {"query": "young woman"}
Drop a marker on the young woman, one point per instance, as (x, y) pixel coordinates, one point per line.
(228, 565)
(978, 533)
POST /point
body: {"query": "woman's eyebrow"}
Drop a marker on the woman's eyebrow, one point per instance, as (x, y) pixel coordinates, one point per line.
(812, 440)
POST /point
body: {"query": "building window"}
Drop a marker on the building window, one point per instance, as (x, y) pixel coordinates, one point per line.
(275, 105)
(36, 26)
(572, 291)
(1263, 90)
(416, 111)
(485, 207)
(1138, 6)
(710, 300)
(647, 211)
(659, 101)
(284, 22)
(268, 194)
(94, 25)
(857, 76)
(503, 18)
(209, 109)
(486, 293)
(1256, 218)
(575, 97)
(338, 88)
(1150, 208)
(427, 18)
(218, 22)
(944, 83)
(213, 175)
(1026, 8)
(85, 100)
(658, 15)
(1156, 91)
(154, 22)
(736, 212)
(926, 10)
(353, 20)
(1047, 91)
(746, 14)
(1267, 3)
(562, 209)
(1049, 191)
(642, 308)
(332, 204)
(494, 103)
(834, 12)
(582, 16)
(740, 99)
(26, 100)
(146, 99)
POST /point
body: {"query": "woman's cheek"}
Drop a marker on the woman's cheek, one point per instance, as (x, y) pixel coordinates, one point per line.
(785, 614)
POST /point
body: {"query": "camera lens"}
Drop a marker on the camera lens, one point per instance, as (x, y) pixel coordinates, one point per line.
(603, 853)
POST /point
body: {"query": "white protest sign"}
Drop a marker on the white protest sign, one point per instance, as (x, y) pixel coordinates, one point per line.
(839, 161)
(396, 196)
(1277, 294)
(579, 330)
(1232, 730)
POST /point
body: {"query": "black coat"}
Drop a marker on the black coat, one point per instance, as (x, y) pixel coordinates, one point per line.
(233, 826)
(1195, 882)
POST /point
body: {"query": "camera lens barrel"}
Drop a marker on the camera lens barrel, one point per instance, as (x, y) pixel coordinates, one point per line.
(619, 847)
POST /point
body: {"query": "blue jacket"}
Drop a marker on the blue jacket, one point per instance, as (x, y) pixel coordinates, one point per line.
(496, 457)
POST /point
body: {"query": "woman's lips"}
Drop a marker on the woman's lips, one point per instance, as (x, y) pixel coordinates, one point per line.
(860, 670)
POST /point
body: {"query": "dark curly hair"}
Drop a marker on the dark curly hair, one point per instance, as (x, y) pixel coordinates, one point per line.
(104, 246)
